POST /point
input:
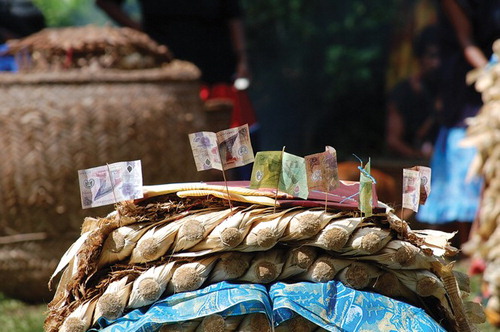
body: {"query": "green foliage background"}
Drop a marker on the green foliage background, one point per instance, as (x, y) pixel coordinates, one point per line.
(318, 68)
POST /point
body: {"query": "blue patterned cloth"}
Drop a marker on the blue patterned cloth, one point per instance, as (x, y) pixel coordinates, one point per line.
(222, 298)
(336, 307)
(330, 305)
(452, 198)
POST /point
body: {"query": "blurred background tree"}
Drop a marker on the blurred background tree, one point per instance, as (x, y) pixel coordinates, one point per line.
(61, 13)
(319, 68)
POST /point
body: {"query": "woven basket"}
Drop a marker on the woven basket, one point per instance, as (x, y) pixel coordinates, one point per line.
(53, 124)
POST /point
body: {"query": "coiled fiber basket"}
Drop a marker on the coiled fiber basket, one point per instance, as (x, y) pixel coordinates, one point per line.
(53, 124)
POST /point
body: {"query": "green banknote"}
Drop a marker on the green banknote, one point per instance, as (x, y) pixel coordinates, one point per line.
(278, 169)
(266, 170)
(293, 178)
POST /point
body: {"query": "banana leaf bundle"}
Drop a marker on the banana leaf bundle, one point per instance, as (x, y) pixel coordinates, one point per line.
(175, 241)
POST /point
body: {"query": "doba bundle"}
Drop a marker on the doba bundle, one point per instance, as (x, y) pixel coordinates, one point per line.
(176, 241)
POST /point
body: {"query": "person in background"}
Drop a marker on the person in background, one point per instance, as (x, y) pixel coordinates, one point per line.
(410, 125)
(468, 29)
(18, 18)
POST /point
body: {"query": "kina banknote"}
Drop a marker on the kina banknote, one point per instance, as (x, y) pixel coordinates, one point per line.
(322, 170)
(110, 184)
(225, 149)
(411, 189)
(416, 186)
(205, 150)
(235, 148)
(278, 169)
(293, 178)
(425, 182)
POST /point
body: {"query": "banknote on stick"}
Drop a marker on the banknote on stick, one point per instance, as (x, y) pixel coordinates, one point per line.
(322, 170)
(411, 189)
(223, 150)
(281, 170)
(109, 184)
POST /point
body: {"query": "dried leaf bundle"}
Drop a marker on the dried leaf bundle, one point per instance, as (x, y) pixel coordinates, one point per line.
(150, 285)
(191, 242)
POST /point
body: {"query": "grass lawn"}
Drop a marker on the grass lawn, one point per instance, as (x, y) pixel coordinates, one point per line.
(16, 316)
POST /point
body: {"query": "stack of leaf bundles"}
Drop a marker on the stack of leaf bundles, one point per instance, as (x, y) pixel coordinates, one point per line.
(182, 237)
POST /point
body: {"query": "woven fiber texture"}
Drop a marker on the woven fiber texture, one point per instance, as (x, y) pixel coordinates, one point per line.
(53, 125)
(92, 47)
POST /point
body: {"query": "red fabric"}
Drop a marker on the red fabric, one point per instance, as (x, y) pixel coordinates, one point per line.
(243, 111)
(344, 197)
(477, 266)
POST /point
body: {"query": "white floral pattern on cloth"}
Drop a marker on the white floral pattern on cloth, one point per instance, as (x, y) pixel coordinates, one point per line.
(223, 298)
(336, 307)
(330, 305)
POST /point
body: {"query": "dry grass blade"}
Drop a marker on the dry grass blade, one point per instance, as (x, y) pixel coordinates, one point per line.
(437, 241)
(261, 200)
(150, 285)
(69, 255)
(61, 293)
(463, 282)
(171, 188)
(151, 191)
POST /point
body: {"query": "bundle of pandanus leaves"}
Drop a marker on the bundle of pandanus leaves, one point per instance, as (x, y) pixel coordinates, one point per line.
(182, 237)
(483, 133)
